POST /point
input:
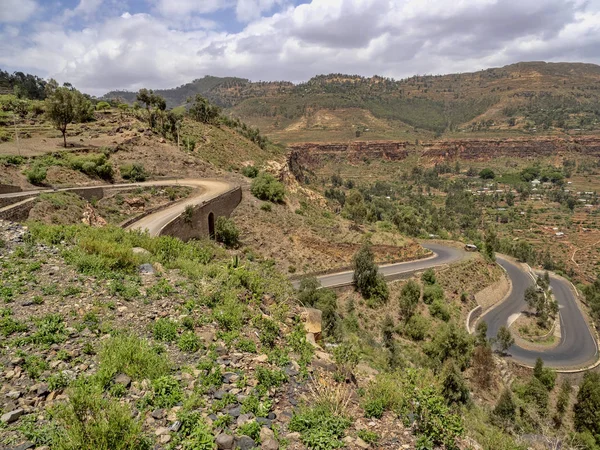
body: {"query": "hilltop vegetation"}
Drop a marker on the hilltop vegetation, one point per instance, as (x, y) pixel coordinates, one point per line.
(532, 97)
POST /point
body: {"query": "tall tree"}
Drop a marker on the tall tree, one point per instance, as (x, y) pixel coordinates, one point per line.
(504, 339)
(60, 109)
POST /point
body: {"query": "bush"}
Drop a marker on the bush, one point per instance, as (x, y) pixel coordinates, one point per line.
(505, 409)
(101, 106)
(251, 429)
(319, 427)
(546, 375)
(36, 175)
(250, 171)
(416, 328)
(450, 342)
(226, 232)
(487, 174)
(133, 172)
(164, 330)
(366, 278)
(454, 387)
(132, 356)
(432, 293)
(189, 342)
(166, 392)
(587, 408)
(428, 277)
(409, 299)
(439, 310)
(266, 187)
(91, 421)
(269, 331)
(266, 207)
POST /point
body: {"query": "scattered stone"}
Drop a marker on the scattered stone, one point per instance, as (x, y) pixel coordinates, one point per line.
(224, 441)
(245, 443)
(24, 446)
(42, 390)
(165, 439)
(269, 444)
(295, 436)
(158, 414)
(146, 269)
(140, 251)
(235, 412)
(266, 433)
(262, 358)
(161, 431)
(263, 422)
(12, 416)
(362, 444)
(312, 319)
(175, 426)
(272, 416)
(244, 418)
(219, 394)
(13, 395)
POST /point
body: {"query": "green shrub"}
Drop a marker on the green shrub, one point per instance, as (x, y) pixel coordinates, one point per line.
(266, 207)
(370, 437)
(428, 277)
(251, 429)
(34, 365)
(587, 408)
(246, 345)
(194, 433)
(366, 277)
(134, 172)
(450, 342)
(164, 330)
(319, 427)
(435, 424)
(417, 327)
(132, 356)
(9, 326)
(257, 406)
(166, 392)
(268, 331)
(546, 375)
(230, 314)
(189, 342)
(268, 378)
(50, 330)
(266, 187)
(36, 175)
(409, 299)
(432, 293)
(227, 232)
(101, 106)
(90, 421)
(57, 382)
(439, 310)
(250, 171)
(505, 408)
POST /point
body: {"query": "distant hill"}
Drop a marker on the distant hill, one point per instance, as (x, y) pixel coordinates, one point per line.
(527, 96)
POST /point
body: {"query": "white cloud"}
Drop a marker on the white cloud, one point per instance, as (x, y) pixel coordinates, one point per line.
(386, 37)
(16, 11)
(247, 10)
(182, 8)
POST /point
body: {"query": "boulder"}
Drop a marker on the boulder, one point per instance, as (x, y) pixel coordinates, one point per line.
(224, 441)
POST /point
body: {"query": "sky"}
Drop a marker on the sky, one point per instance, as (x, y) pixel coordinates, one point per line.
(101, 45)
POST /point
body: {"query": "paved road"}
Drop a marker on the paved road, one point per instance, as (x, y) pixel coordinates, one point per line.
(205, 190)
(442, 255)
(577, 345)
(208, 189)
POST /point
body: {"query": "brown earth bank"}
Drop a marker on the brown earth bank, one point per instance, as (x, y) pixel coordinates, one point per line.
(309, 154)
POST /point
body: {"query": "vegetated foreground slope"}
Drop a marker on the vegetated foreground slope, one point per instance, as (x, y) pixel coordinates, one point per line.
(532, 97)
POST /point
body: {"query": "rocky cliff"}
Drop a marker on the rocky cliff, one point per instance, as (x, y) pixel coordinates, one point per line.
(311, 155)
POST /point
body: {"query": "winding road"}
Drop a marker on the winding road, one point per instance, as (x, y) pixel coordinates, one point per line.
(577, 347)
